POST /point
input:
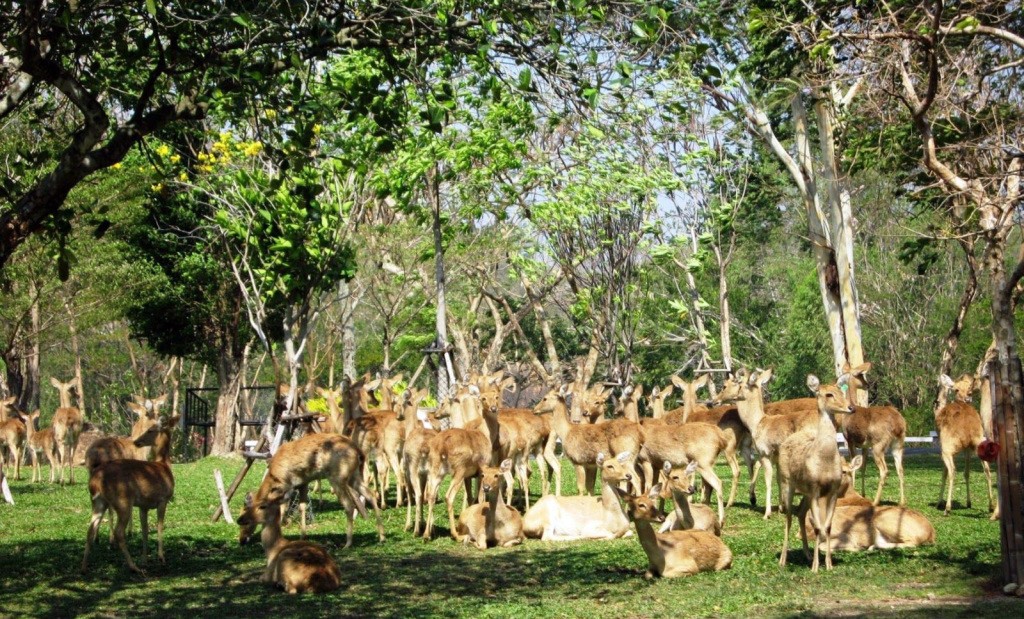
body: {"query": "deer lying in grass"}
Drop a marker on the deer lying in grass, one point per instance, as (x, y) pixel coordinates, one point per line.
(567, 518)
(686, 516)
(314, 456)
(674, 553)
(809, 463)
(960, 429)
(40, 443)
(858, 524)
(295, 566)
(491, 523)
(12, 433)
(67, 425)
(122, 485)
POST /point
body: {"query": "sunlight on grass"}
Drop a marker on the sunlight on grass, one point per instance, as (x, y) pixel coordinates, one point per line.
(42, 538)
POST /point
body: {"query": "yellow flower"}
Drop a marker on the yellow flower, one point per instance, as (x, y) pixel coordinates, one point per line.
(317, 129)
(117, 166)
(163, 150)
(175, 158)
(183, 177)
(252, 149)
(157, 188)
(220, 146)
(224, 136)
(270, 114)
(203, 157)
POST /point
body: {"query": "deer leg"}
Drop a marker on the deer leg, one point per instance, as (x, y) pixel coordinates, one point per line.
(878, 451)
(785, 530)
(948, 476)
(591, 477)
(897, 461)
(432, 488)
(767, 464)
(71, 462)
(581, 480)
(122, 522)
(801, 521)
(420, 489)
(348, 505)
(98, 507)
(863, 470)
(303, 500)
(408, 492)
(401, 483)
(357, 488)
(967, 475)
(144, 524)
(160, 511)
(457, 479)
(988, 486)
(708, 473)
(542, 468)
(816, 518)
(552, 459)
(734, 467)
(524, 479)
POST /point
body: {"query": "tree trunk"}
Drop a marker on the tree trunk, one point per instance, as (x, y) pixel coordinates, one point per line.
(230, 377)
(76, 352)
(725, 322)
(820, 237)
(445, 372)
(841, 219)
(348, 330)
(952, 340)
(1008, 385)
(30, 395)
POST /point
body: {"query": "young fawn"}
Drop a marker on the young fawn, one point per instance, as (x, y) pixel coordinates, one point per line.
(122, 485)
(12, 433)
(492, 522)
(295, 566)
(686, 516)
(674, 553)
(67, 425)
(40, 443)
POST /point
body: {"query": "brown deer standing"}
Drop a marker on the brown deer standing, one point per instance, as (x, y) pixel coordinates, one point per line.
(727, 419)
(767, 431)
(685, 515)
(40, 443)
(315, 456)
(622, 435)
(295, 566)
(415, 462)
(568, 518)
(809, 463)
(493, 522)
(12, 433)
(674, 553)
(960, 429)
(689, 442)
(134, 447)
(122, 485)
(67, 425)
(461, 452)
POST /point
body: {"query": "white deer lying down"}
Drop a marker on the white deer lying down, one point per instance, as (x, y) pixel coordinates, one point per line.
(566, 518)
(675, 553)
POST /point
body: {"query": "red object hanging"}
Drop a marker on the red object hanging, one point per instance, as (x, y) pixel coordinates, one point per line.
(988, 450)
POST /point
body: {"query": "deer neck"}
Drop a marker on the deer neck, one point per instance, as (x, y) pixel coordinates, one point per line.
(658, 408)
(631, 411)
(560, 420)
(751, 408)
(271, 535)
(496, 503)
(490, 428)
(689, 403)
(648, 540)
(683, 513)
(609, 498)
(826, 429)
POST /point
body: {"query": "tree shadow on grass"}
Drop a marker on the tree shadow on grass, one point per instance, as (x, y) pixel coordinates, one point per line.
(398, 578)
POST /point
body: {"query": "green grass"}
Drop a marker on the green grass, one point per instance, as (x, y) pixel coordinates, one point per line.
(42, 538)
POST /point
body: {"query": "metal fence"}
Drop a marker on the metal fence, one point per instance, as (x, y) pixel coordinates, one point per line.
(200, 421)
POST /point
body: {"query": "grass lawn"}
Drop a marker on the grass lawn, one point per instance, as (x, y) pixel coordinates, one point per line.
(43, 536)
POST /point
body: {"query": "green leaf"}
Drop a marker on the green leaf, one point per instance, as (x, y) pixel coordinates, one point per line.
(151, 7)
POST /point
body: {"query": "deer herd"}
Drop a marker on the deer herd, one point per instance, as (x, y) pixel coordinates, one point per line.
(471, 437)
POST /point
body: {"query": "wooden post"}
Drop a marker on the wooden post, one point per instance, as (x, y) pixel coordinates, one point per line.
(219, 479)
(1007, 429)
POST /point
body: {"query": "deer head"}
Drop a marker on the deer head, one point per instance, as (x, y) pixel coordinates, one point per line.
(963, 388)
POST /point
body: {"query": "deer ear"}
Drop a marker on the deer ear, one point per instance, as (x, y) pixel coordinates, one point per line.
(506, 465)
(946, 381)
(813, 383)
(56, 383)
(701, 381)
(600, 458)
(856, 463)
(136, 408)
(691, 468)
(667, 391)
(667, 467)
(624, 456)
(860, 370)
(654, 492)
(248, 499)
(764, 376)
